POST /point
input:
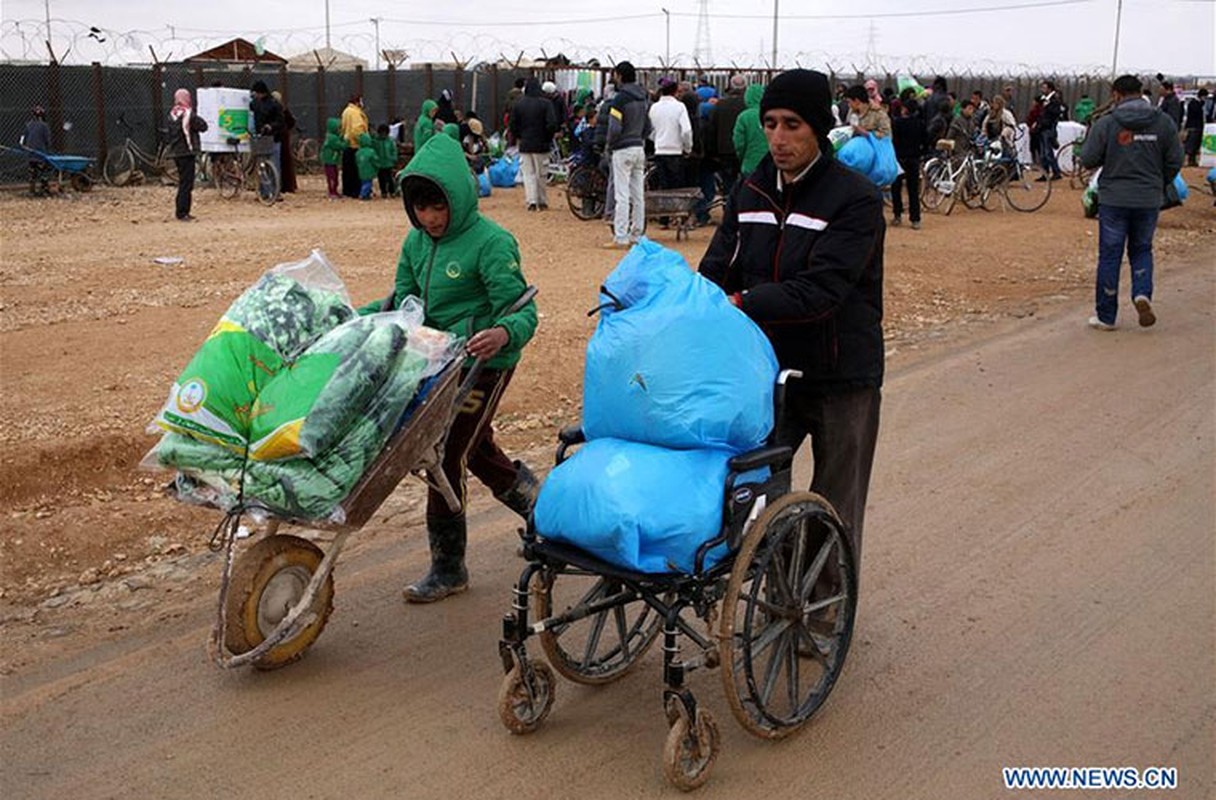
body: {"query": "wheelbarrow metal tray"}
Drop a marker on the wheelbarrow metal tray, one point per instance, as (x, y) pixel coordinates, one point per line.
(671, 201)
(67, 163)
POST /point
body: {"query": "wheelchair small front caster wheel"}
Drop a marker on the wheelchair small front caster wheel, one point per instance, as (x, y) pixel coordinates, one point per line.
(523, 704)
(687, 760)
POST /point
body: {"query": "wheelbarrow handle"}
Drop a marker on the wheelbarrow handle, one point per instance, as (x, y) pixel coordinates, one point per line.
(479, 364)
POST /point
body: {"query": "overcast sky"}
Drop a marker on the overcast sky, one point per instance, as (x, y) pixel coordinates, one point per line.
(1050, 36)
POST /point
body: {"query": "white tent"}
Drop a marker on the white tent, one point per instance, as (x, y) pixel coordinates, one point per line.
(333, 61)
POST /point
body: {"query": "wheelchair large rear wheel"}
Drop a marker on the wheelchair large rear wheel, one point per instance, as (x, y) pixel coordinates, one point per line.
(600, 647)
(787, 617)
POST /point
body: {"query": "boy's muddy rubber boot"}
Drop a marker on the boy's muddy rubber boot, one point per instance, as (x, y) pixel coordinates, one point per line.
(448, 574)
(521, 497)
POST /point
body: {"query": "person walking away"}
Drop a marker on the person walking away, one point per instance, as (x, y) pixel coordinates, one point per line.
(748, 135)
(331, 155)
(908, 137)
(671, 131)
(37, 136)
(533, 123)
(368, 162)
(287, 158)
(865, 116)
(628, 129)
(354, 125)
(467, 271)
(268, 121)
(1138, 150)
(1049, 139)
(386, 159)
(424, 128)
(800, 251)
(184, 129)
(721, 127)
(1193, 127)
(513, 94)
(1169, 104)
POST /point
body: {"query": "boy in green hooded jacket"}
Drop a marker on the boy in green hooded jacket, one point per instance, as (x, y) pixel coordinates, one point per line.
(368, 163)
(424, 128)
(750, 143)
(386, 159)
(331, 155)
(466, 271)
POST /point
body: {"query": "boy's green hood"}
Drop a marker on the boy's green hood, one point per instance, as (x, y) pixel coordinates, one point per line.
(428, 106)
(333, 125)
(365, 140)
(751, 98)
(453, 130)
(442, 161)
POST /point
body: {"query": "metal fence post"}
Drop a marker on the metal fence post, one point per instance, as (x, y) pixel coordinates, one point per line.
(99, 109)
(458, 95)
(359, 79)
(158, 99)
(430, 81)
(54, 93)
(494, 107)
(391, 91)
(283, 86)
(322, 117)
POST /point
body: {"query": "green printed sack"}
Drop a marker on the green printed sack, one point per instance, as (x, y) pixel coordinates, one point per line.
(309, 405)
(213, 397)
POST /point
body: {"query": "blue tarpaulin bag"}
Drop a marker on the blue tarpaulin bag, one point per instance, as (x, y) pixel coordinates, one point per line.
(872, 156)
(483, 183)
(641, 507)
(502, 172)
(858, 154)
(672, 363)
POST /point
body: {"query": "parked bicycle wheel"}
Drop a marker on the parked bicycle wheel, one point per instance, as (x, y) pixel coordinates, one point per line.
(119, 166)
(936, 184)
(227, 176)
(587, 192)
(1028, 187)
(266, 182)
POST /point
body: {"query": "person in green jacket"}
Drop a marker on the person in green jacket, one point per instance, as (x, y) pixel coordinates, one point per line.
(331, 155)
(453, 130)
(424, 128)
(750, 142)
(386, 160)
(368, 163)
(466, 271)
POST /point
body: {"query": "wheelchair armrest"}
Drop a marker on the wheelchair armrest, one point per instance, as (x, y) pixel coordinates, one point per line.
(571, 435)
(763, 457)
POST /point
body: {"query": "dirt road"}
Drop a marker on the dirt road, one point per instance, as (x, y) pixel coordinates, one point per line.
(1037, 590)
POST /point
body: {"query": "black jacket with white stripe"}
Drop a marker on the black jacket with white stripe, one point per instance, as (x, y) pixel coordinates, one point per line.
(807, 264)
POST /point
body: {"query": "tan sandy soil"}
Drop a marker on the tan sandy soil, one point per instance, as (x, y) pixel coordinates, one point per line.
(92, 331)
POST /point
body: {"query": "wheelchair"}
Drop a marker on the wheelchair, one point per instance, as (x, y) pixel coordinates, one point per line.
(775, 614)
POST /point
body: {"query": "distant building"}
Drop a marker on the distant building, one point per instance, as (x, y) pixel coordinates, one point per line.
(237, 53)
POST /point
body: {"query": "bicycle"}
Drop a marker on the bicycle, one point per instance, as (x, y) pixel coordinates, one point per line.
(306, 152)
(231, 172)
(947, 178)
(1078, 174)
(121, 160)
(976, 181)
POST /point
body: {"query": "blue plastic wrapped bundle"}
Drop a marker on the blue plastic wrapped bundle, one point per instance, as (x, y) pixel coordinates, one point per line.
(676, 365)
(614, 499)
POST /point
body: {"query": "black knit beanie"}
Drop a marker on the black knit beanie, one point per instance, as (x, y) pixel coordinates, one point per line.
(806, 93)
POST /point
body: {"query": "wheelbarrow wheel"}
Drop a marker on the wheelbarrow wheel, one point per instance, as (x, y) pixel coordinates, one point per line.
(81, 182)
(267, 581)
(523, 707)
(687, 761)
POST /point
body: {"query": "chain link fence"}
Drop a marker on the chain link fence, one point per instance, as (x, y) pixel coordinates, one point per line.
(93, 108)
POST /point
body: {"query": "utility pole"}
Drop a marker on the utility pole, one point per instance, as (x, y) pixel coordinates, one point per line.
(1114, 64)
(667, 55)
(48, 20)
(327, 44)
(774, 63)
(376, 21)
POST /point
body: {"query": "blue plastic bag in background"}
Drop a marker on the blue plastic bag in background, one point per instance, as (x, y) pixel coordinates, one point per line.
(872, 156)
(858, 154)
(483, 183)
(503, 171)
(676, 365)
